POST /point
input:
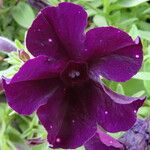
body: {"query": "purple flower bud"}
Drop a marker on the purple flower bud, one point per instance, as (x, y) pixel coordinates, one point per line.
(35, 141)
(7, 45)
(38, 4)
(138, 137)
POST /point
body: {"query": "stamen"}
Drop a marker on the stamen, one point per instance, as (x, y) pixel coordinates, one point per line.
(74, 74)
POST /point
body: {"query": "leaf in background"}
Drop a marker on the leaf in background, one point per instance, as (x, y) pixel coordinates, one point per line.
(53, 2)
(148, 49)
(100, 21)
(16, 139)
(80, 148)
(139, 94)
(134, 31)
(19, 45)
(146, 11)
(147, 83)
(145, 34)
(131, 3)
(91, 12)
(142, 76)
(143, 25)
(115, 18)
(116, 135)
(127, 22)
(130, 87)
(144, 111)
(23, 14)
(120, 89)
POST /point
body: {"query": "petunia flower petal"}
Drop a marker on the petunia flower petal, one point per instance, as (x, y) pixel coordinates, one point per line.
(34, 83)
(41, 67)
(69, 117)
(116, 112)
(113, 54)
(102, 141)
(27, 96)
(58, 31)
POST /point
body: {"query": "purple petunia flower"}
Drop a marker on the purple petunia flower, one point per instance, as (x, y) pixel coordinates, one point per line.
(138, 137)
(5, 46)
(62, 82)
(102, 141)
(38, 4)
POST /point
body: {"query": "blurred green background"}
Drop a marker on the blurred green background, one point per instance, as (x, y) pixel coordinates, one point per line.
(133, 16)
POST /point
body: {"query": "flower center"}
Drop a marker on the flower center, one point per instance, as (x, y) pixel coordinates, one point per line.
(74, 73)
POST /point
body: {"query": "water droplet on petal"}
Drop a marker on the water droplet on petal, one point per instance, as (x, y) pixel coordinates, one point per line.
(111, 142)
(119, 31)
(106, 112)
(137, 56)
(73, 121)
(85, 49)
(79, 12)
(51, 127)
(58, 140)
(50, 40)
(135, 111)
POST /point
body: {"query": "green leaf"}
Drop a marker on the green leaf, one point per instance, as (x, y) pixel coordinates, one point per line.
(53, 2)
(19, 45)
(80, 148)
(144, 111)
(139, 94)
(131, 3)
(120, 89)
(147, 83)
(142, 76)
(145, 26)
(23, 14)
(116, 135)
(130, 87)
(145, 34)
(134, 31)
(100, 21)
(147, 103)
(127, 22)
(91, 12)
